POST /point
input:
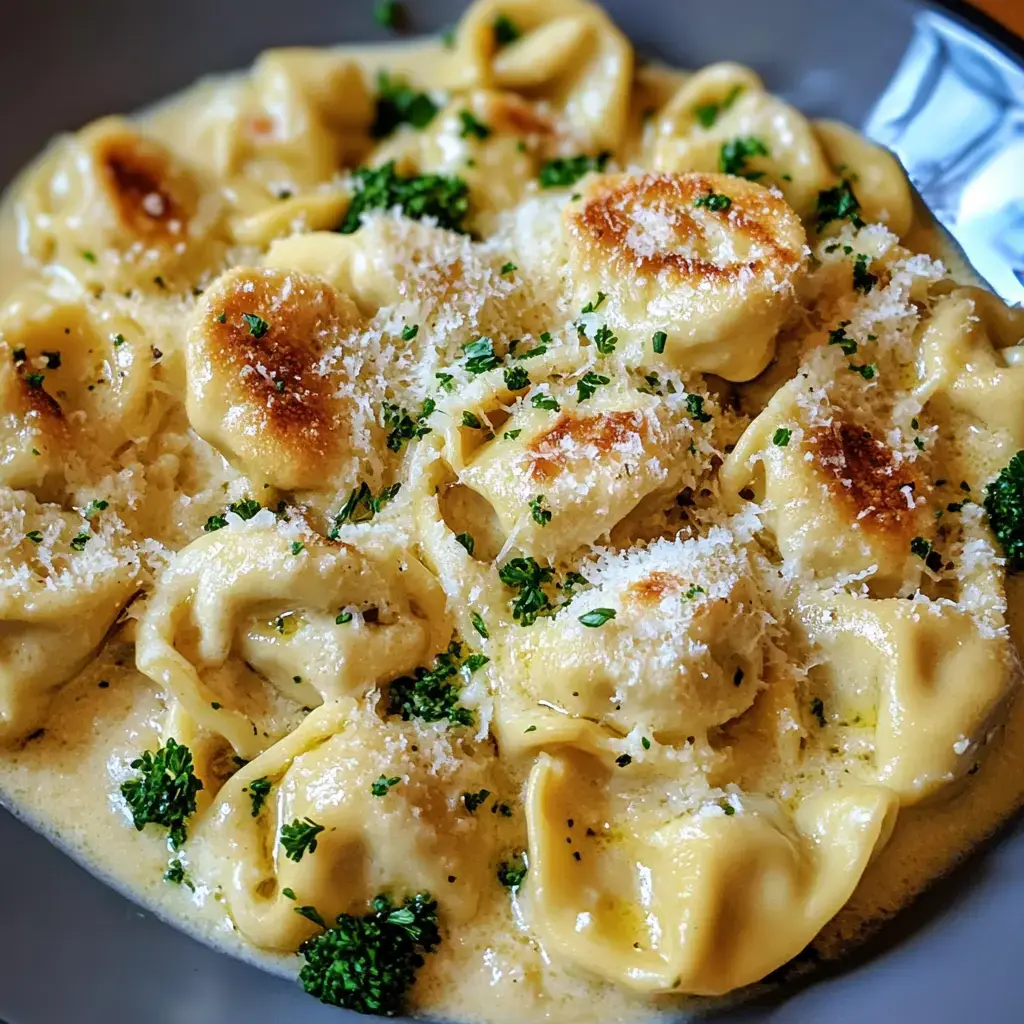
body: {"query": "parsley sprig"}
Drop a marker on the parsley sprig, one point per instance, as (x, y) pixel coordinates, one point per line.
(164, 790)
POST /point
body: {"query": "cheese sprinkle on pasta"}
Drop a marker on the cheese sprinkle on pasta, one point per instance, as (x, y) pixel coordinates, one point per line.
(503, 524)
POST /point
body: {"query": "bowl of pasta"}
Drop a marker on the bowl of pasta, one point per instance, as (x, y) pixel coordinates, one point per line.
(499, 527)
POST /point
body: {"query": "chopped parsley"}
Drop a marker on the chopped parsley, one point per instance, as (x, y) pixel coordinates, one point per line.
(35, 536)
(361, 506)
(474, 801)
(597, 617)
(403, 427)
(480, 356)
(410, 331)
(387, 13)
(587, 385)
(508, 268)
(658, 340)
(445, 199)
(472, 127)
(594, 304)
(863, 279)
(299, 838)
(623, 760)
(466, 540)
(516, 378)
(343, 619)
(445, 380)
(565, 171)
(715, 201)
(78, 542)
(838, 203)
(540, 514)
(256, 324)
(368, 963)
(511, 435)
(512, 873)
(573, 580)
(429, 695)
(1004, 506)
(471, 420)
(734, 154)
(244, 509)
(923, 549)
(382, 786)
(505, 30)
(177, 875)
(259, 790)
(781, 437)
(397, 104)
(35, 380)
(839, 337)
(605, 340)
(707, 113)
(479, 625)
(528, 577)
(542, 401)
(866, 370)
(695, 407)
(297, 547)
(163, 791)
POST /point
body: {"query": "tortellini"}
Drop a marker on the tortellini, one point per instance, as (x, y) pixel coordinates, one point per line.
(317, 620)
(717, 276)
(569, 53)
(669, 640)
(65, 580)
(257, 390)
(832, 477)
(725, 106)
(932, 676)
(711, 900)
(559, 479)
(122, 210)
(81, 380)
(961, 367)
(417, 836)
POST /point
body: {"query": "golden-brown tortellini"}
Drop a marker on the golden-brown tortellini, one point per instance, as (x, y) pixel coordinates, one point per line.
(711, 900)
(669, 640)
(252, 621)
(722, 119)
(830, 477)
(81, 381)
(257, 390)
(416, 835)
(65, 579)
(121, 210)
(710, 260)
(561, 472)
(409, 273)
(568, 53)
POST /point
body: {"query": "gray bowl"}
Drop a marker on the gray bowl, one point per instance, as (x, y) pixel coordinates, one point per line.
(941, 86)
